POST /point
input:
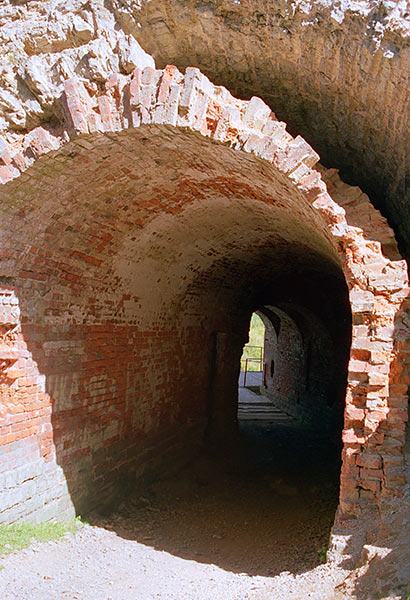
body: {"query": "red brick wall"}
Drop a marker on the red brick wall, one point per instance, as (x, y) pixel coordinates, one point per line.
(126, 249)
(308, 375)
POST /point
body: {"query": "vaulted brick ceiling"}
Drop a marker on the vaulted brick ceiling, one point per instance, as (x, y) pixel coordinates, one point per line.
(339, 79)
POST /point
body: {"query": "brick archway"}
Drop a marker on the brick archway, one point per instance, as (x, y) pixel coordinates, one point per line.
(301, 365)
(376, 401)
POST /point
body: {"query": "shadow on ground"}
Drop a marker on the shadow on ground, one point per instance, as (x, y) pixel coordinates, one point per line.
(261, 506)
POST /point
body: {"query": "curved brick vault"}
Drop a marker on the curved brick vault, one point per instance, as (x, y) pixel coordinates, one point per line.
(137, 236)
(336, 72)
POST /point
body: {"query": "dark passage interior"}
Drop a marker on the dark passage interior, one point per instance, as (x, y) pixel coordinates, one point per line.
(273, 487)
(135, 299)
(273, 492)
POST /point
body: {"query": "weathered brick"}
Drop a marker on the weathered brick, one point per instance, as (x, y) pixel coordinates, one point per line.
(97, 315)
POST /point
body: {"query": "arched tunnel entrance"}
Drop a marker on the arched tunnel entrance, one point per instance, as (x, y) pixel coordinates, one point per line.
(135, 295)
(127, 302)
(296, 367)
(140, 294)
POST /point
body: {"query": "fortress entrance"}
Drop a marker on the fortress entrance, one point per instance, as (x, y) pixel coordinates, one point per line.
(126, 303)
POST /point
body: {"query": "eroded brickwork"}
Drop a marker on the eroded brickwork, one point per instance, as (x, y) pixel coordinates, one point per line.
(302, 372)
(161, 209)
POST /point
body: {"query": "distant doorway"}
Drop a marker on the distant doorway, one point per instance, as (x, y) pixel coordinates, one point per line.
(257, 368)
(252, 359)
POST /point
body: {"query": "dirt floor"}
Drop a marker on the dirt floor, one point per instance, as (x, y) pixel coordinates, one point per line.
(251, 522)
(277, 504)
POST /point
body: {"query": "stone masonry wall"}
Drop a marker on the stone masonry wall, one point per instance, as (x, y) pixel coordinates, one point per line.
(336, 72)
(50, 243)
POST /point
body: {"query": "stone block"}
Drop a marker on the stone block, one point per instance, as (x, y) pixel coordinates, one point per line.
(369, 461)
(256, 114)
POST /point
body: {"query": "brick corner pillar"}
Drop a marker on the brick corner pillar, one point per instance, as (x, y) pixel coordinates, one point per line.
(376, 408)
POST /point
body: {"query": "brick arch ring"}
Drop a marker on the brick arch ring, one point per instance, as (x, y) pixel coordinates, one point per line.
(376, 401)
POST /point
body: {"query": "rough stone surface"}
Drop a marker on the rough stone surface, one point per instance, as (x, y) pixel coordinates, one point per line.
(44, 43)
(378, 546)
(145, 214)
(336, 72)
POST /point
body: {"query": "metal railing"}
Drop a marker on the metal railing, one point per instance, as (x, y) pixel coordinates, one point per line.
(252, 360)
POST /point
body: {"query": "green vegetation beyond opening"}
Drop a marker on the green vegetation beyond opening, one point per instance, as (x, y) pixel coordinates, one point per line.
(254, 348)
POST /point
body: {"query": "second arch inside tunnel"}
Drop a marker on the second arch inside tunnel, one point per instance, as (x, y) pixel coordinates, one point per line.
(296, 365)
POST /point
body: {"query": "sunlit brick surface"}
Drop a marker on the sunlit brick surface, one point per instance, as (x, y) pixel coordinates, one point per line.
(137, 237)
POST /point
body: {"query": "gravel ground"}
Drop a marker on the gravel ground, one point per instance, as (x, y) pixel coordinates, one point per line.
(244, 528)
(99, 565)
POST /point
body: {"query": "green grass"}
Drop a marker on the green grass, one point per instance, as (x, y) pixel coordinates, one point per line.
(20, 535)
(256, 338)
(322, 553)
